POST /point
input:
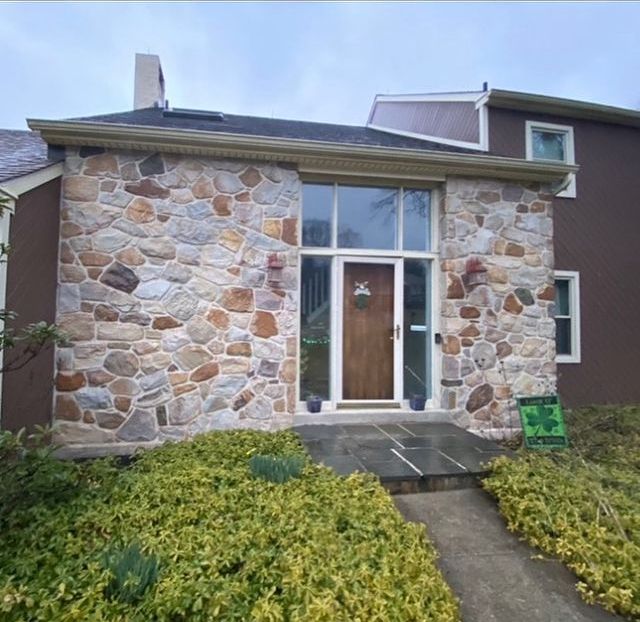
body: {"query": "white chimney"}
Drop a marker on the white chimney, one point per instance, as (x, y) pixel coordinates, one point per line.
(149, 82)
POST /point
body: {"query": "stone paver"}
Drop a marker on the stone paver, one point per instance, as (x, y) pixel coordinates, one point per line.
(493, 573)
(422, 455)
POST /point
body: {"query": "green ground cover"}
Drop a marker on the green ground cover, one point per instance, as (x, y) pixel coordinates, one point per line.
(210, 541)
(583, 504)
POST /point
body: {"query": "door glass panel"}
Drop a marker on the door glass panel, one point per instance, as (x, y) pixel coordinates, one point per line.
(417, 206)
(417, 328)
(367, 217)
(315, 327)
(548, 145)
(317, 215)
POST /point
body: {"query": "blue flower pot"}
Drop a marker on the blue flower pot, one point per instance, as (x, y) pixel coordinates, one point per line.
(314, 404)
(417, 402)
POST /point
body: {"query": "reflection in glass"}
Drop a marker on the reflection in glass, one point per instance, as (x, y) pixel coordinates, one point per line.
(317, 211)
(548, 145)
(315, 327)
(562, 296)
(563, 335)
(417, 329)
(417, 206)
(367, 217)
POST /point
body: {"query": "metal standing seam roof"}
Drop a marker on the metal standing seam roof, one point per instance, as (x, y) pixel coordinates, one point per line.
(271, 128)
(22, 152)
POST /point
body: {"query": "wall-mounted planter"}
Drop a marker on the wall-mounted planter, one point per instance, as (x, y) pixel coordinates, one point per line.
(475, 273)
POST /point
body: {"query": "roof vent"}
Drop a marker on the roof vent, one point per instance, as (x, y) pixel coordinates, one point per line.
(186, 113)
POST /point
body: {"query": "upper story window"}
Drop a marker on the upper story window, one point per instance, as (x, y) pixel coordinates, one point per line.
(567, 316)
(550, 142)
(366, 217)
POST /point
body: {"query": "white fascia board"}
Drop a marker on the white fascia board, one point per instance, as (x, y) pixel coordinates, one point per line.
(431, 97)
(24, 183)
(426, 137)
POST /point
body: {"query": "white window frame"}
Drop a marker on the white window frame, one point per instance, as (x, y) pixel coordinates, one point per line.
(573, 278)
(339, 254)
(569, 146)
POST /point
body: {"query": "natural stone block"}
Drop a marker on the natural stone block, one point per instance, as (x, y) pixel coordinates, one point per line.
(140, 426)
(78, 188)
(67, 409)
(237, 299)
(512, 304)
(181, 303)
(204, 372)
(120, 277)
(140, 210)
(119, 331)
(149, 188)
(190, 357)
(122, 363)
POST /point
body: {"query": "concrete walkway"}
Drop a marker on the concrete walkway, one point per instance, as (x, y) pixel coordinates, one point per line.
(490, 570)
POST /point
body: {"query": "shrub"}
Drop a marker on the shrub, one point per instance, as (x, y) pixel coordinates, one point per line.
(583, 505)
(276, 469)
(30, 475)
(321, 548)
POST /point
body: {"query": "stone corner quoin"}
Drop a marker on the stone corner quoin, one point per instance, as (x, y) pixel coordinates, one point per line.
(163, 291)
(498, 332)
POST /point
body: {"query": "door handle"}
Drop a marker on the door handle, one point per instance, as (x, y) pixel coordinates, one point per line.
(395, 330)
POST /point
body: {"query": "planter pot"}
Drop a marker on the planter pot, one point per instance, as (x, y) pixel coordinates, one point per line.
(417, 402)
(314, 404)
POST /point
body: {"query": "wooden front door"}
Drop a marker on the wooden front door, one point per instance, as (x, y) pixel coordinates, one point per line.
(368, 338)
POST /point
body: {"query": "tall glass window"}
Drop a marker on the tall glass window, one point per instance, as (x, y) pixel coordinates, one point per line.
(416, 218)
(317, 214)
(417, 329)
(315, 327)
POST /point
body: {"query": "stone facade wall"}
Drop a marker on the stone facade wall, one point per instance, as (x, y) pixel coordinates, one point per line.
(497, 326)
(174, 327)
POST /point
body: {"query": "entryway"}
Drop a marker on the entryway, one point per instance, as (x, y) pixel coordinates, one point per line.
(367, 295)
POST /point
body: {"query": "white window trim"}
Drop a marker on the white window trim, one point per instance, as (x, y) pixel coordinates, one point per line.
(570, 155)
(573, 276)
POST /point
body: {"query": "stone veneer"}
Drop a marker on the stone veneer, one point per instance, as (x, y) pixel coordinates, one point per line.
(507, 322)
(174, 328)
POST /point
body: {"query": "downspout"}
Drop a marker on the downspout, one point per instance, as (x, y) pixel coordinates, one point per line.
(563, 185)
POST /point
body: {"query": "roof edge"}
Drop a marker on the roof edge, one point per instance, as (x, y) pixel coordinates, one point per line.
(531, 102)
(308, 153)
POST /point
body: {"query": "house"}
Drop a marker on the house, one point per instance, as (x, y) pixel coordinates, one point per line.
(30, 180)
(595, 218)
(215, 270)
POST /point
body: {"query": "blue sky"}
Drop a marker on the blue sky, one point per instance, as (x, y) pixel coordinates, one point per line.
(314, 61)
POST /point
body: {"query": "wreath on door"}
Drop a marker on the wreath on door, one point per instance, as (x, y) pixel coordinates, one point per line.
(362, 294)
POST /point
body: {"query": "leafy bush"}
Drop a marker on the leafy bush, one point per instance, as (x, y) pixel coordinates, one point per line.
(583, 505)
(278, 469)
(132, 572)
(230, 546)
(29, 474)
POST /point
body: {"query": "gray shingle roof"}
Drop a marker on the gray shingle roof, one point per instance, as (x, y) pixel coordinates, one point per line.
(274, 128)
(22, 152)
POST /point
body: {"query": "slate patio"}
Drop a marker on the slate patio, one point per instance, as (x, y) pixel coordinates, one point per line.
(406, 457)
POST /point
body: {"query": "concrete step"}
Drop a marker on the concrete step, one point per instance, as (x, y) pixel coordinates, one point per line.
(373, 416)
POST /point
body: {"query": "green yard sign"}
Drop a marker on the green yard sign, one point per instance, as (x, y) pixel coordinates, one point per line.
(542, 422)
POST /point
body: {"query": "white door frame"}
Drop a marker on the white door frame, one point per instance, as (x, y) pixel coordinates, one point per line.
(398, 309)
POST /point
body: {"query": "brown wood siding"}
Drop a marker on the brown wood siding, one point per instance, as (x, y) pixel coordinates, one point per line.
(31, 293)
(597, 234)
(454, 120)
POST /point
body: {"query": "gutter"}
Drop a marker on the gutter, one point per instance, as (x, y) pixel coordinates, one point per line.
(543, 104)
(308, 155)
